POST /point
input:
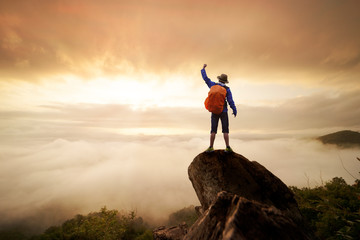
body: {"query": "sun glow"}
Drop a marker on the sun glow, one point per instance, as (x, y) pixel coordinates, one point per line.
(158, 131)
(139, 92)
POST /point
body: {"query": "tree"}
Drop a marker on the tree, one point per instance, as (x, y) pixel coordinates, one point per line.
(332, 210)
(187, 215)
(102, 225)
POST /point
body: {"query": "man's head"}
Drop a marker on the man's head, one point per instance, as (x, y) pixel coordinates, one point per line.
(223, 78)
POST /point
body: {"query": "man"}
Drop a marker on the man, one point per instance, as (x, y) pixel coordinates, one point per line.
(222, 116)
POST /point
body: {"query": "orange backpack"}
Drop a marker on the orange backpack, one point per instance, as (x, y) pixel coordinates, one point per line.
(216, 99)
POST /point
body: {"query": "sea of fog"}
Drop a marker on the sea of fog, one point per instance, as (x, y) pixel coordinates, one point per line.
(52, 180)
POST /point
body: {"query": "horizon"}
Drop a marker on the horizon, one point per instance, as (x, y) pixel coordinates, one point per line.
(103, 101)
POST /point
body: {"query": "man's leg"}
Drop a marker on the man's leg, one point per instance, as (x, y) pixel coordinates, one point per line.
(225, 130)
(226, 138)
(214, 126)
(225, 127)
(212, 139)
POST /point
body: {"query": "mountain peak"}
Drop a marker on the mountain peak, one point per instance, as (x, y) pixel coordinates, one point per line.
(241, 199)
(211, 173)
(345, 138)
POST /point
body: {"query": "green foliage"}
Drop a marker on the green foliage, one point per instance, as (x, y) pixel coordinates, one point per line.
(187, 215)
(333, 210)
(13, 234)
(103, 225)
(147, 235)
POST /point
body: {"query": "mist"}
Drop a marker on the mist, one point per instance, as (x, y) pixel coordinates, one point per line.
(51, 181)
(59, 160)
(70, 159)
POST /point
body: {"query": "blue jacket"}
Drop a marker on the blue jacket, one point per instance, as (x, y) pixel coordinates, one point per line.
(228, 92)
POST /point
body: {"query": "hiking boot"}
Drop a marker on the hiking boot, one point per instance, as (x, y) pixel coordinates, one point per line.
(229, 150)
(209, 150)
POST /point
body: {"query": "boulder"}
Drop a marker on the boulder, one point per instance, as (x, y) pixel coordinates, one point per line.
(232, 217)
(170, 233)
(242, 200)
(211, 173)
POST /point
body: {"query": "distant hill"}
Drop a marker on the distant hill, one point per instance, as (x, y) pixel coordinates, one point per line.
(344, 138)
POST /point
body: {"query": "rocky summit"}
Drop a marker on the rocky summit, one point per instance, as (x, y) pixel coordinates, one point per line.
(241, 200)
(232, 217)
(211, 173)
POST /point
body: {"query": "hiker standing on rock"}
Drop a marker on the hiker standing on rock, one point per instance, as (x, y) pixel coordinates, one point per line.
(216, 103)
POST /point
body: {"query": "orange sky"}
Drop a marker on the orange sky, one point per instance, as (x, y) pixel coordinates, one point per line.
(287, 41)
(149, 53)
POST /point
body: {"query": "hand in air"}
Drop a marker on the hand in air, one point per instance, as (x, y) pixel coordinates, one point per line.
(205, 65)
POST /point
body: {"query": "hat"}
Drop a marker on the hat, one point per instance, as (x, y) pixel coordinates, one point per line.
(223, 78)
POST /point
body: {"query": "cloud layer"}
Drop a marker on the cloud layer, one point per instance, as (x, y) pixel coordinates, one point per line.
(47, 182)
(312, 115)
(76, 158)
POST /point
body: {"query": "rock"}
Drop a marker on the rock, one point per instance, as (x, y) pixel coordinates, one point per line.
(211, 173)
(242, 200)
(232, 217)
(199, 210)
(171, 233)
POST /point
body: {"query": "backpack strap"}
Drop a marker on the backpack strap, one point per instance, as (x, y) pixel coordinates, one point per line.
(224, 86)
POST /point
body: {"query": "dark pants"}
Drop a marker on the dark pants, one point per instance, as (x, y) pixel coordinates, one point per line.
(224, 122)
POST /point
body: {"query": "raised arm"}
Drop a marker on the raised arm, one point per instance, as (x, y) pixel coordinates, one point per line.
(205, 77)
